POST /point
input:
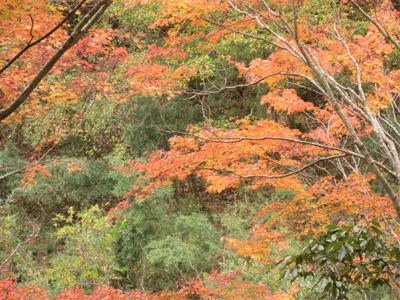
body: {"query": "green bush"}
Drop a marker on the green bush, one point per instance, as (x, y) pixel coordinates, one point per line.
(345, 260)
(17, 250)
(10, 161)
(92, 137)
(74, 182)
(155, 248)
(149, 114)
(138, 226)
(86, 259)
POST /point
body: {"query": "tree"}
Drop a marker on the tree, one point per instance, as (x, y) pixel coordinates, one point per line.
(321, 149)
(355, 77)
(337, 73)
(14, 99)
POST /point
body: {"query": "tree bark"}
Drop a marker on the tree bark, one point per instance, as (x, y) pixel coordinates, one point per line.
(80, 29)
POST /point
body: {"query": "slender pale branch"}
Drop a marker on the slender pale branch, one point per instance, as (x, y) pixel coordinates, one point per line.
(285, 174)
(381, 29)
(30, 237)
(207, 93)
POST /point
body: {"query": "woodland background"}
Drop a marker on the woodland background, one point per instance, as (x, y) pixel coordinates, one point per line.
(199, 149)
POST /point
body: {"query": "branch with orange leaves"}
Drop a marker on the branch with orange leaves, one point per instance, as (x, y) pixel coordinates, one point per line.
(253, 36)
(233, 140)
(22, 169)
(381, 28)
(297, 171)
(30, 44)
(305, 55)
(79, 30)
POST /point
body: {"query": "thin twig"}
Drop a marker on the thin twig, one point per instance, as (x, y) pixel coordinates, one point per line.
(31, 44)
(283, 175)
(30, 237)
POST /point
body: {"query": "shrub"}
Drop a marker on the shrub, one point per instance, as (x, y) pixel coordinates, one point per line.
(345, 259)
(73, 182)
(86, 260)
(155, 248)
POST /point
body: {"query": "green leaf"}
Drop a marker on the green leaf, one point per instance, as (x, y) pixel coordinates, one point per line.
(295, 272)
(342, 253)
(377, 231)
(350, 249)
(374, 222)
(333, 247)
(378, 244)
(323, 282)
(287, 273)
(330, 227)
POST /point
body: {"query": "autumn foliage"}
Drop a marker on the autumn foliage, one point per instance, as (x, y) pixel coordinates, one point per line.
(322, 127)
(227, 286)
(268, 153)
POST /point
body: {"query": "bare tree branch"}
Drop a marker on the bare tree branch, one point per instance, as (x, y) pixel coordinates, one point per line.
(326, 83)
(381, 29)
(207, 93)
(30, 237)
(283, 175)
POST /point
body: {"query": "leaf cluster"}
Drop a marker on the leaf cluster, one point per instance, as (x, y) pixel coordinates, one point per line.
(345, 259)
(154, 248)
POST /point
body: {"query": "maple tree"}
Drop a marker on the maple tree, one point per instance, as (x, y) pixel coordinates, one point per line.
(326, 136)
(321, 56)
(38, 42)
(353, 126)
(50, 41)
(227, 286)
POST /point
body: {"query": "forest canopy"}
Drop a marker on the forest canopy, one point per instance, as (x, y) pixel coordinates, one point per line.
(200, 149)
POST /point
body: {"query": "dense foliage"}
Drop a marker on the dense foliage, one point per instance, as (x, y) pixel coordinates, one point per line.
(236, 149)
